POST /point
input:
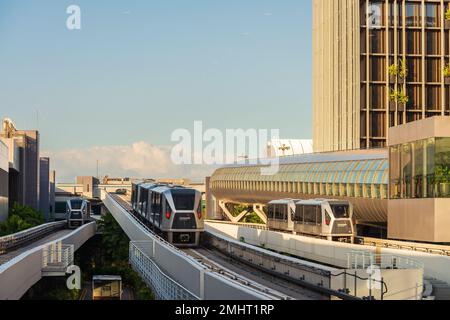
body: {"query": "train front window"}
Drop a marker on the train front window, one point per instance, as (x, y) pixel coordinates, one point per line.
(184, 199)
(75, 215)
(76, 204)
(341, 211)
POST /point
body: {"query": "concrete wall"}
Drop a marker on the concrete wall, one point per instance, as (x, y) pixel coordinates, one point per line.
(334, 253)
(437, 126)
(20, 274)
(424, 220)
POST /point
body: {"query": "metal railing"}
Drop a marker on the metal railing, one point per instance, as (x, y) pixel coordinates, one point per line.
(404, 245)
(16, 240)
(241, 224)
(364, 259)
(162, 285)
(56, 257)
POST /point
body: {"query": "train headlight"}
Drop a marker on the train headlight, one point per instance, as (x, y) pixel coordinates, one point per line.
(199, 211)
(327, 219)
(168, 215)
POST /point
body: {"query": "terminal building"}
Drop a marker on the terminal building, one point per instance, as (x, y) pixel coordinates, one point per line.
(404, 188)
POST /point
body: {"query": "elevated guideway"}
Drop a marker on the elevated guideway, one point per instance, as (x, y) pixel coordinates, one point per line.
(31, 255)
(187, 272)
(434, 259)
(172, 273)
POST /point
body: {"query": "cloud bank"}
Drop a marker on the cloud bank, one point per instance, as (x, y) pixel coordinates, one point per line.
(138, 160)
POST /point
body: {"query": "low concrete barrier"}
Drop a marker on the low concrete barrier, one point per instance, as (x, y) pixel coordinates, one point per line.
(18, 275)
(332, 253)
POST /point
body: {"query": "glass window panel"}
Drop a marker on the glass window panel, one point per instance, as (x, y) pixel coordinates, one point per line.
(433, 15)
(433, 98)
(414, 42)
(414, 70)
(418, 169)
(413, 15)
(377, 39)
(442, 167)
(433, 42)
(406, 170)
(433, 70)
(378, 69)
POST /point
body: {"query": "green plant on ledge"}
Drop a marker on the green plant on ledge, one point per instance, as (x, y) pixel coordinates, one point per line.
(393, 70)
(393, 95)
(402, 98)
(399, 96)
(446, 71)
(403, 70)
(447, 14)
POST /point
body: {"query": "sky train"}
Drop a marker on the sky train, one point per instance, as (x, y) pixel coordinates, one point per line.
(174, 212)
(322, 218)
(78, 212)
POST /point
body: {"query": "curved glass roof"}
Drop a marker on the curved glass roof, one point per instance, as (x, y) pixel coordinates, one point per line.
(368, 171)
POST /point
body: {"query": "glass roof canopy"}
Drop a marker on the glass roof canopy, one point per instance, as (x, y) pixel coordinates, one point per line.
(369, 171)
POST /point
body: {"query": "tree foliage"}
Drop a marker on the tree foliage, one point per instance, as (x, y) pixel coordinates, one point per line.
(115, 243)
(21, 218)
(109, 256)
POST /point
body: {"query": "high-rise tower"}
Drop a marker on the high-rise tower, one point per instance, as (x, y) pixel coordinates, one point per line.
(377, 64)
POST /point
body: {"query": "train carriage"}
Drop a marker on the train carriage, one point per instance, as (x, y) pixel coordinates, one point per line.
(174, 212)
(322, 218)
(78, 212)
(325, 218)
(280, 214)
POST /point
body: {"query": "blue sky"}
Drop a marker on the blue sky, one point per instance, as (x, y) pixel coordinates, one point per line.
(140, 69)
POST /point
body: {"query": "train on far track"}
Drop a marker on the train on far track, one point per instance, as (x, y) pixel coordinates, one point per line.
(321, 218)
(173, 212)
(78, 212)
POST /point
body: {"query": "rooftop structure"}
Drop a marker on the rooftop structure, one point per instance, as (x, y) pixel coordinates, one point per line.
(286, 147)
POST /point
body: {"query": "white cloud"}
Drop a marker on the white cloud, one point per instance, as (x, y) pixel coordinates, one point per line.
(126, 12)
(139, 160)
(268, 14)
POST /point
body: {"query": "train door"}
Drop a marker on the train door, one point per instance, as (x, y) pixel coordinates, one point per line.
(159, 214)
(312, 219)
(88, 211)
(291, 215)
(133, 196)
(327, 219)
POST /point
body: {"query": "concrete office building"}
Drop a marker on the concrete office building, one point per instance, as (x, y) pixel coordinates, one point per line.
(44, 187)
(52, 194)
(377, 64)
(4, 169)
(24, 168)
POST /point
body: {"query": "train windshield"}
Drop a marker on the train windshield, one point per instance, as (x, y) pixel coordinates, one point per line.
(183, 199)
(341, 211)
(76, 204)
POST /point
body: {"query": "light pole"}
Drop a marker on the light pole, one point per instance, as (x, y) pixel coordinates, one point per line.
(284, 148)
